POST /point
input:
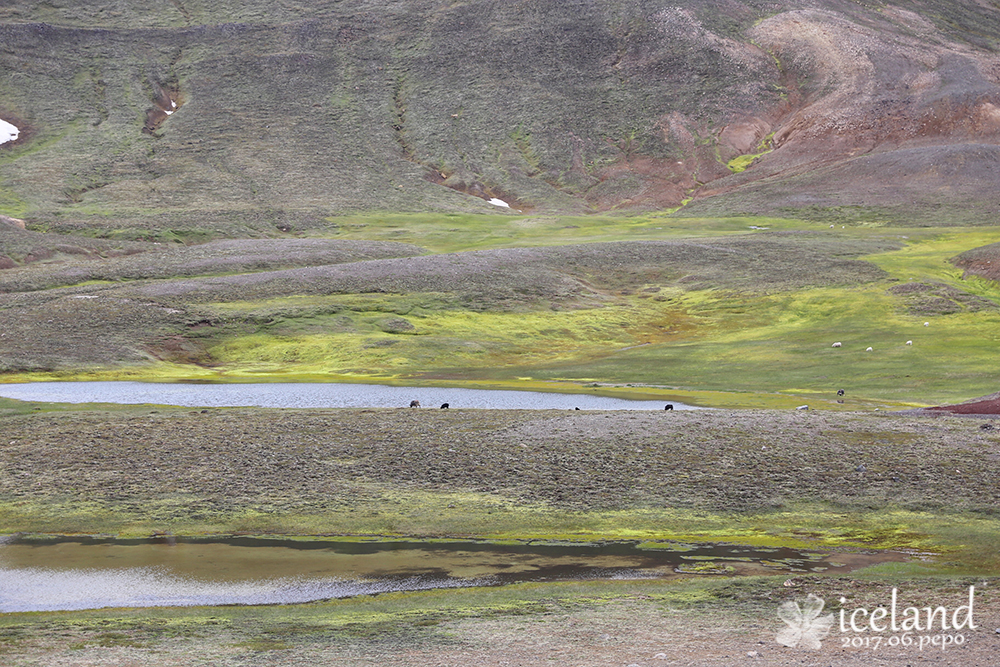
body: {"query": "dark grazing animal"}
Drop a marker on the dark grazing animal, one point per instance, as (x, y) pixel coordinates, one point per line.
(414, 404)
(444, 406)
(840, 392)
(669, 406)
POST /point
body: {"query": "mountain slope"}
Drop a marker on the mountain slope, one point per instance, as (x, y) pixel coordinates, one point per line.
(236, 118)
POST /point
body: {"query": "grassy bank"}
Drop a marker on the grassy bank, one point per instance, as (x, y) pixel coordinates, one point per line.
(808, 480)
(708, 311)
(694, 621)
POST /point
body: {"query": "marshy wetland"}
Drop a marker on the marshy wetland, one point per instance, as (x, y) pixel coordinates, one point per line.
(646, 308)
(167, 571)
(761, 501)
(746, 206)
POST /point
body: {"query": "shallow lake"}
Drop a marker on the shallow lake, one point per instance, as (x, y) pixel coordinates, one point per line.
(67, 574)
(314, 395)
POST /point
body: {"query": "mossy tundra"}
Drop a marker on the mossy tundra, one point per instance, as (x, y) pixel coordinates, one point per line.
(685, 223)
(725, 312)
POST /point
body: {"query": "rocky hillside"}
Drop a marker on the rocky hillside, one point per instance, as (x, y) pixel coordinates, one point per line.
(238, 118)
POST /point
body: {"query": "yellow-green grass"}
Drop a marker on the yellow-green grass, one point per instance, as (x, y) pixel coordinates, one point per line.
(409, 624)
(568, 618)
(784, 343)
(740, 163)
(718, 348)
(707, 340)
(927, 256)
(268, 628)
(776, 345)
(457, 232)
(961, 543)
(699, 341)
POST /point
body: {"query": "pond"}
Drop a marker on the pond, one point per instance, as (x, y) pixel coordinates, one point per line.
(89, 573)
(314, 395)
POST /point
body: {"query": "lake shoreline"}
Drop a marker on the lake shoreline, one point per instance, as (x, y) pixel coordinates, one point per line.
(878, 481)
(75, 573)
(317, 395)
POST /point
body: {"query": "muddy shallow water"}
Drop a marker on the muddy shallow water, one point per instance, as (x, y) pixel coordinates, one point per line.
(314, 395)
(67, 574)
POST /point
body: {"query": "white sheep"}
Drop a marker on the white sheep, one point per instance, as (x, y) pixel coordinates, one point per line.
(837, 344)
(927, 324)
(909, 342)
(868, 350)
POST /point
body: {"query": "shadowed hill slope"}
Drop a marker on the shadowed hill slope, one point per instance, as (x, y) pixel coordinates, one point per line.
(134, 261)
(234, 118)
(140, 320)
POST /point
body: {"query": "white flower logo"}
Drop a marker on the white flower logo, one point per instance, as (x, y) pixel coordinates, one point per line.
(805, 628)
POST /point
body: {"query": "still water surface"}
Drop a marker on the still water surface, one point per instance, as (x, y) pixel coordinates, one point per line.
(314, 395)
(67, 574)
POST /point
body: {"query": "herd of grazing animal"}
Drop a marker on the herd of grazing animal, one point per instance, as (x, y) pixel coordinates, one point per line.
(871, 349)
(669, 406)
(416, 404)
(445, 406)
(840, 392)
(868, 349)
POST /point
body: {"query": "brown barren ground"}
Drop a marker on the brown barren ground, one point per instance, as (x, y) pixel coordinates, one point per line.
(167, 469)
(989, 405)
(153, 468)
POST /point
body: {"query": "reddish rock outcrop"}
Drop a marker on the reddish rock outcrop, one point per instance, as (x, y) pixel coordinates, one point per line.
(988, 405)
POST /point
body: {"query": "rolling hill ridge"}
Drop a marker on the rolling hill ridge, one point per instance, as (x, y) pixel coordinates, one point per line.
(225, 119)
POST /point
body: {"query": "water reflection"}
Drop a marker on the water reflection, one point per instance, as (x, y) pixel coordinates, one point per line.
(314, 395)
(68, 574)
(42, 589)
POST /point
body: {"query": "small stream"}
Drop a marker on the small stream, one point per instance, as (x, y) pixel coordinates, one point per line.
(87, 573)
(315, 395)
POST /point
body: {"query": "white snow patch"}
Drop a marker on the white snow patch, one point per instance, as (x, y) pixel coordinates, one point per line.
(499, 202)
(8, 132)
